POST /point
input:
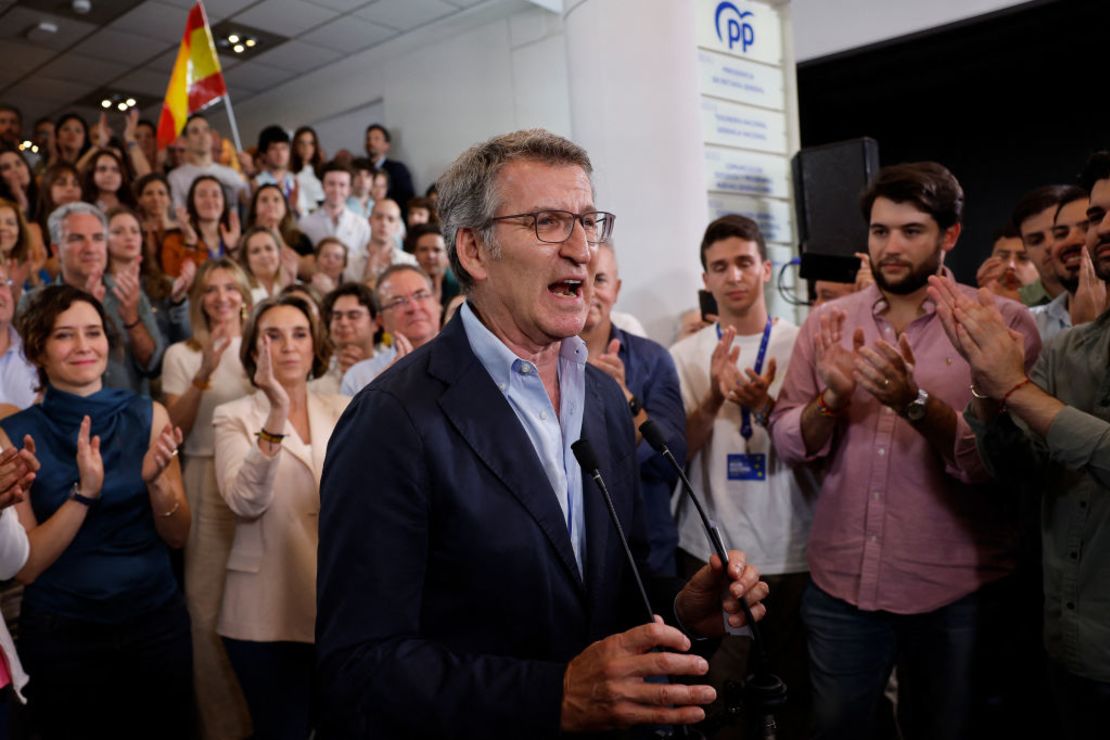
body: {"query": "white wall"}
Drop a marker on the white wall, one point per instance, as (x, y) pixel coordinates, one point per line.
(441, 88)
(824, 27)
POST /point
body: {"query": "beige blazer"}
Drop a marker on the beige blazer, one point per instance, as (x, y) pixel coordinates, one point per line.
(270, 593)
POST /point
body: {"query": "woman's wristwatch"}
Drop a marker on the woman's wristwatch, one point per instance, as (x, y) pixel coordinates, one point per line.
(79, 497)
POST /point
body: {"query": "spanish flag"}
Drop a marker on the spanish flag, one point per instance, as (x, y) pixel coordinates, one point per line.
(196, 79)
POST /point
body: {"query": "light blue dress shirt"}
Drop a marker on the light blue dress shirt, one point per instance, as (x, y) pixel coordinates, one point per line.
(551, 434)
(18, 377)
(363, 372)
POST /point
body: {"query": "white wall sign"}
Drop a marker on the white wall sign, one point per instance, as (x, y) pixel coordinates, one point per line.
(748, 173)
(731, 124)
(741, 81)
(742, 28)
(773, 216)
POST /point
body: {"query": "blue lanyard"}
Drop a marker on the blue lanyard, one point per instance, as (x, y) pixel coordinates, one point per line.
(745, 413)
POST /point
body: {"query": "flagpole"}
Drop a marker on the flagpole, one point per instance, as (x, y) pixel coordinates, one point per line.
(232, 122)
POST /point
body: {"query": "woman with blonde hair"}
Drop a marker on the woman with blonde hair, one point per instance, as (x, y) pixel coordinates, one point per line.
(270, 451)
(197, 376)
(260, 257)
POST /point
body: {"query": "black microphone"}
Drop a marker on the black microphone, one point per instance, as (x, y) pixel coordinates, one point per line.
(650, 432)
(584, 453)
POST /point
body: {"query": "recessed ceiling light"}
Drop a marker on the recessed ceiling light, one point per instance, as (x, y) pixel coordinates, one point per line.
(131, 102)
(250, 42)
(233, 38)
(238, 48)
(105, 103)
(122, 106)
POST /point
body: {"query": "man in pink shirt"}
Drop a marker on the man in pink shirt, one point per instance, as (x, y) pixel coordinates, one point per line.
(904, 540)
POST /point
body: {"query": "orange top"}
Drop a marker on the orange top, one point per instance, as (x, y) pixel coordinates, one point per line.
(175, 252)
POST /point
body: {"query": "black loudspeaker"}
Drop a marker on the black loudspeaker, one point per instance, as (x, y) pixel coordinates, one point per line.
(828, 182)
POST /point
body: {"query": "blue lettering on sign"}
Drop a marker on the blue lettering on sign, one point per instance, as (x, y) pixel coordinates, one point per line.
(737, 27)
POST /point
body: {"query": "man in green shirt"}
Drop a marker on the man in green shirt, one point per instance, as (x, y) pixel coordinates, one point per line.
(1051, 430)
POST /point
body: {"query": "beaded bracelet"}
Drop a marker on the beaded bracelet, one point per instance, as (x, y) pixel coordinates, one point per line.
(268, 437)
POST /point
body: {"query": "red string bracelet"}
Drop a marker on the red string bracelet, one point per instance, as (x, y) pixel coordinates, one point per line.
(1002, 403)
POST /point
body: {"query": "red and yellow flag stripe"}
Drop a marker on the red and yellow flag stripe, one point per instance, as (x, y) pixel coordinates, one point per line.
(196, 79)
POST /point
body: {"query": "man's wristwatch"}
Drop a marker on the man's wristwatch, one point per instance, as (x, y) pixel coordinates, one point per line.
(916, 410)
(635, 406)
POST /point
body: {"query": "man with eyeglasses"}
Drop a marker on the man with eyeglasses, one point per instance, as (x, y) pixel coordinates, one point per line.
(470, 583)
(348, 312)
(409, 316)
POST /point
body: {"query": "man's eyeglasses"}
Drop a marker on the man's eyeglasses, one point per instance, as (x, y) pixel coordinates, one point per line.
(555, 227)
(402, 301)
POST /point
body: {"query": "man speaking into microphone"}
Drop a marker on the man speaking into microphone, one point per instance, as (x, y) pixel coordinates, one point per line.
(470, 582)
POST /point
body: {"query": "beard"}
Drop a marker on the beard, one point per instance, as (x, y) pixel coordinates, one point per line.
(917, 279)
(1102, 265)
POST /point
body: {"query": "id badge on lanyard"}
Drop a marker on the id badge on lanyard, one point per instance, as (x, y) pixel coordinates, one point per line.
(750, 466)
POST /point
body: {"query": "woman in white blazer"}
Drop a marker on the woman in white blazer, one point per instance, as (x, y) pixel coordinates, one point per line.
(270, 450)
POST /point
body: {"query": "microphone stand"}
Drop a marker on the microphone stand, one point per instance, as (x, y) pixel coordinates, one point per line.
(763, 691)
(587, 459)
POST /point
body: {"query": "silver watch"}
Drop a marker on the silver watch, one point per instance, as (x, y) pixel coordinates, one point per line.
(916, 410)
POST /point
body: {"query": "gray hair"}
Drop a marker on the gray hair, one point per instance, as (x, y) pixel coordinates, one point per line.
(468, 192)
(59, 215)
(393, 270)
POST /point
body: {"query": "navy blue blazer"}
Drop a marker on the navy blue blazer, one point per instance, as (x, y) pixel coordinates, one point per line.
(449, 601)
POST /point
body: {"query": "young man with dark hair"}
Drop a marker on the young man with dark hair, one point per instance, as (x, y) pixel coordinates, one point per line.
(333, 218)
(907, 546)
(11, 125)
(427, 246)
(362, 182)
(351, 318)
(731, 375)
(378, 144)
(274, 153)
(1045, 432)
(199, 161)
(1008, 268)
(1064, 260)
(1033, 216)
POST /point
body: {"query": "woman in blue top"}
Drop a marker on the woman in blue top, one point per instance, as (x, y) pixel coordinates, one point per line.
(103, 630)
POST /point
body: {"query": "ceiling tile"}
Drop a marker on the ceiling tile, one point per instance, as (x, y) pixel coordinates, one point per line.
(348, 34)
(46, 88)
(154, 19)
(217, 10)
(118, 46)
(252, 77)
(285, 17)
(83, 69)
(343, 6)
(297, 56)
(144, 82)
(18, 20)
(405, 14)
(21, 57)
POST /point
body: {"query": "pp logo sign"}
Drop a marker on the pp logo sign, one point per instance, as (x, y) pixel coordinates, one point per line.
(734, 26)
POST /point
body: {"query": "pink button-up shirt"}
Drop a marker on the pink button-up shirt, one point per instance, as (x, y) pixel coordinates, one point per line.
(899, 527)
